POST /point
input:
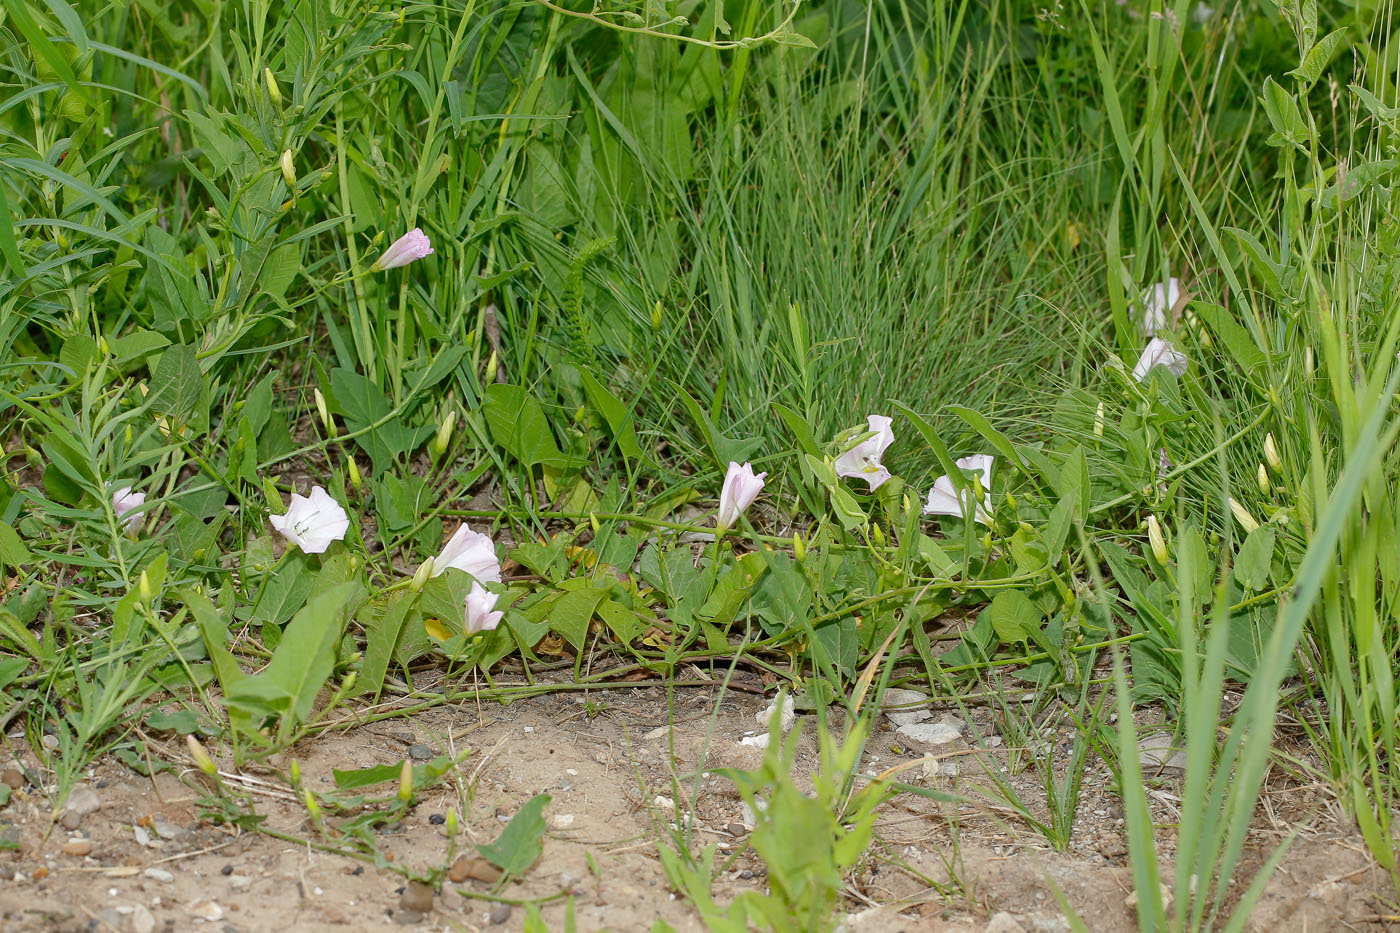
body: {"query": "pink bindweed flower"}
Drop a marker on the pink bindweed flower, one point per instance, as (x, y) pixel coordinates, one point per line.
(863, 459)
(943, 498)
(126, 504)
(741, 487)
(410, 247)
(480, 603)
(312, 522)
(470, 552)
(1160, 353)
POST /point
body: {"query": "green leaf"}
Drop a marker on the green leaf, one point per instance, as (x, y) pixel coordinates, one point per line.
(518, 423)
(620, 620)
(518, 846)
(303, 661)
(1317, 58)
(284, 590)
(617, 416)
(382, 628)
(177, 385)
(572, 612)
(1287, 120)
(1014, 617)
(1236, 340)
(1028, 550)
(423, 775)
(1255, 558)
(366, 409)
(13, 552)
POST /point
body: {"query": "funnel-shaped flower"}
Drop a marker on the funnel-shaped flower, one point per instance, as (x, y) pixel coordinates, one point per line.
(863, 459)
(1160, 353)
(470, 552)
(126, 504)
(410, 247)
(480, 602)
(1154, 307)
(312, 522)
(943, 498)
(741, 487)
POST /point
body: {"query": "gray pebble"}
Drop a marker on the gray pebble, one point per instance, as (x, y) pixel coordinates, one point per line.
(420, 752)
(500, 915)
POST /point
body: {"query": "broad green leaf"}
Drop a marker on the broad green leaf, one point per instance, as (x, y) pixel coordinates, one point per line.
(382, 624)
(518, 423)
(572, 611)
(1287, 120)
(1014, 617)
(1318, 57)
(303, 660)
(13, 552)
(617, 416)
(177, 386)
(723, 448)
(1255, 558)
(518, 846)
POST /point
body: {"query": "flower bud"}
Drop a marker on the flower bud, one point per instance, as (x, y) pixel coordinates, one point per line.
(491, 366)
(143, 589)
(289, 171)
(201, 757)
(355, 481)
(348, 684)
(593, 524)
(312, 806)
(1098, 421)
(1242, 515)
(799, 547)
(1271, 456)
(406, 781)
(420, 577)
(656, 315)
(878, 535)
(274, 93)
(295, 770)
(323, 412)
(451, 821)
(1156, 539)
(1309, 367)
(1263, 478)
(444, 433)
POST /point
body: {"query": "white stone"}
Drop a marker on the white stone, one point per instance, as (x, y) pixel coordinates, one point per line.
(912, 707)
(159, 874)
(931, 733)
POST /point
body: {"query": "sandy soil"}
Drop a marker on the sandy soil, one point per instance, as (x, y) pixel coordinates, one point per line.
(144, 860)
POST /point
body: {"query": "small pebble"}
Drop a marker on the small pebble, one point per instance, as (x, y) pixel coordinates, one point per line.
(746, 874)
(78, 847)
(141, 920)
(13, 777)
(736, 828)
(227, 869)
(71, 819)
(160, 874)
(416, 896)
(207, 910)
(420, 752)
(500, 915)
(168, 830)
(408, 918)
(241, 882)
(437, 819)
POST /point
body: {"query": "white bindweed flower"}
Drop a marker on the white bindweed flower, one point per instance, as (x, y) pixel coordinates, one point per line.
(480, 603)
(943, 498)
(470, 552)
(312, 522)
(741, 487)
(1160, 353)
(410, 247)
(863, 459)
(126, 504)
(1153, 310)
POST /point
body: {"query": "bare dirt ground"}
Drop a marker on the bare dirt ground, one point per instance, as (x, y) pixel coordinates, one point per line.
(144, 861)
